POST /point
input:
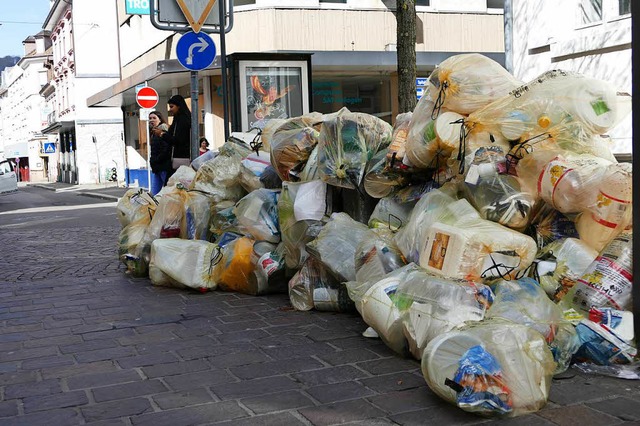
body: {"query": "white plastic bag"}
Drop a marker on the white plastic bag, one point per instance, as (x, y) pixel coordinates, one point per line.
(187, 263)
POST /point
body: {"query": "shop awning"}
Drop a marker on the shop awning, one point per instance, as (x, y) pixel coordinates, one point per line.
(162, 75)
(57, 127)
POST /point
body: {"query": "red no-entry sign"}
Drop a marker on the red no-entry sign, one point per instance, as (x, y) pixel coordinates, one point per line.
(147, 97)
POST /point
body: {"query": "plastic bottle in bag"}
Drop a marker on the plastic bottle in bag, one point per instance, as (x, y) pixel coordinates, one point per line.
(612, 210)
(608, 280)
(269, 272)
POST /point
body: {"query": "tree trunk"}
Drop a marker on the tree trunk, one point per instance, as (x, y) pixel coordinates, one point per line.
(406, 54)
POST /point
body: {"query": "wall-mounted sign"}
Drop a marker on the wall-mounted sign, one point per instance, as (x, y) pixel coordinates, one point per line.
(137, 7)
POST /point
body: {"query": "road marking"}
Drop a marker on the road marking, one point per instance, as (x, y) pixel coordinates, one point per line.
(60, 208)
(37, 222)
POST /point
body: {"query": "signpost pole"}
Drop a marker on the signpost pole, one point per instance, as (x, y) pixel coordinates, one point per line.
(194, 115)
(146, 124)
(223, 69)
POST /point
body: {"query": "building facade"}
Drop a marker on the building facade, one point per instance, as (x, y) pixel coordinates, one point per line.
(84, 36)
(350, 43)
(592, 37)
(22, 108)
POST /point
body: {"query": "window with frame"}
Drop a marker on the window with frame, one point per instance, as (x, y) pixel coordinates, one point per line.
(590, 11)
(624, 7)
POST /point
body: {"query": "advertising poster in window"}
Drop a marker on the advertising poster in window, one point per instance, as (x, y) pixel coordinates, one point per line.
(272, 89)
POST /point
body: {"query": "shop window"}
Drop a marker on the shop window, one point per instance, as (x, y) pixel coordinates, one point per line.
(333, 1)
(364, 94)
(422, 2)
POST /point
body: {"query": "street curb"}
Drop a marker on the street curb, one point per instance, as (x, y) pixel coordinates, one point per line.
(98, 195)
(36, 185)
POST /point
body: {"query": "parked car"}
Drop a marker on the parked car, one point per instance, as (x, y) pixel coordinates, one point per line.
(8, 178)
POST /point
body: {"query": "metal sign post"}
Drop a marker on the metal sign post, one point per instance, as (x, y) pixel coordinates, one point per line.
(194, 115)
(223, 75)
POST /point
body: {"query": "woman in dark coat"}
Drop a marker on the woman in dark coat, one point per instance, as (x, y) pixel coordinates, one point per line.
(179, 134)
(160, 156)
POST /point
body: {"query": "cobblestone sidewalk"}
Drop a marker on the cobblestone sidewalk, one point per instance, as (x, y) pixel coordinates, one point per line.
(81, 343)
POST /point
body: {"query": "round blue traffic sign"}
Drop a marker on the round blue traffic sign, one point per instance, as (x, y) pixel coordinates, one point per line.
(195, 51)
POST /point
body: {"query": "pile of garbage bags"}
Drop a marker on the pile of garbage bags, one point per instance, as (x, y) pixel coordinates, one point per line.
(487, 234)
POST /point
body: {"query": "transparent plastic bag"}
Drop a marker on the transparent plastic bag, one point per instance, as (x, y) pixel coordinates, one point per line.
(379, 311)
(257, 212)
(199, 160)
(134, 205)
(183, 175)
(430, 305)
(224, 220)
(429, 209)
(234, 269)
(524, 302)
(291, 144)
(548, 225)
(336, 245)
(251, 169)
(498, 197)
(560, 264)
(131, 235)
(432, 141)
(301, 218)
(219, 178)
(390, 214)
(186, 263)
(313, 286)
(377, 255)
(467, 82)
(382, 178)
(608, 280)
(469, 247)
(197, 215)
(269, 269)
(348, 140)
(491, 368)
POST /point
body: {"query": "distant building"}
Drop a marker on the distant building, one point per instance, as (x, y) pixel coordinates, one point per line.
(592, 37)
(22, 109)
(84, 36)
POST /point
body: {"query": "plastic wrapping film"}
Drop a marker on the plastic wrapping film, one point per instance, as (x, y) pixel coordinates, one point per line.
(381, 178)
(560, 264)
(223, 220)
(233, 271)
(492, 368)
(314, 286)
(387, 170)
(498, 196)
(429, 209)
(197, 215)
(183, 263)
(431, 141)
(524, 302)
(257, 212)
(301, 217)
(134, 205)
(291, 144)
(556, 110)
(629, 372)
(219, 178)
(251, 169)
(608, 280)
(467, 82)
(375, 300)
(377, 255)
(336, 245)
(348, 140)
(183, 175)
(391, 214)
(167, 222)
(463, 245)
(430, 305)
(548, 225)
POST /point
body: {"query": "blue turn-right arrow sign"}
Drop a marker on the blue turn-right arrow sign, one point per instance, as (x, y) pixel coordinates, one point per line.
(195, 51)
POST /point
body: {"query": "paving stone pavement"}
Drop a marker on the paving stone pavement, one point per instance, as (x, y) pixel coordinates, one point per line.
(82, 343)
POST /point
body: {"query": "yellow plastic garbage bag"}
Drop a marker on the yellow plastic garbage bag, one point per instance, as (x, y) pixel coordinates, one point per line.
(184, 263)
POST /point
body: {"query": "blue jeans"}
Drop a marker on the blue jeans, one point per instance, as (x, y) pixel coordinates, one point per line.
(158, 180)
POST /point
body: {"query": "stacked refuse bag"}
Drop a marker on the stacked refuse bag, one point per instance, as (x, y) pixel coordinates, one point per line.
(487, 234)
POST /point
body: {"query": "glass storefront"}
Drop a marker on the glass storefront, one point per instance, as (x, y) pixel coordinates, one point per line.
(370, 94)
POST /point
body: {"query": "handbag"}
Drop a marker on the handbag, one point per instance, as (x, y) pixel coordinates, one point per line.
(178, 161)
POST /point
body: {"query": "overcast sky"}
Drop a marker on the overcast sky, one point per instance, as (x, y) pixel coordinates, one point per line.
(18, 20)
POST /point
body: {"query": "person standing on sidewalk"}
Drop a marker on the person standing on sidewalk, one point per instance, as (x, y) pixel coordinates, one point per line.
(179, 133)
(204, 146)
(160, 156)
